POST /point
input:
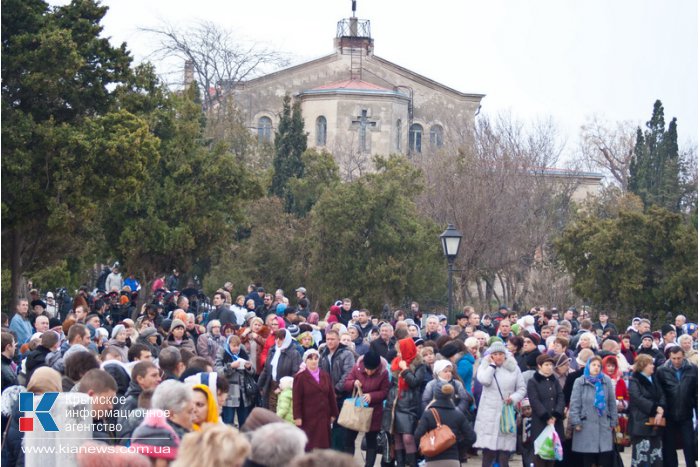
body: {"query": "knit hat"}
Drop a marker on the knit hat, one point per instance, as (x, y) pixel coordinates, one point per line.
(418, 341)
(666, 328)
(117, 329)
(525, 402)
(445, 393)
(497, 347)
(286, 382)
(54, 323)
(259, 417)
(561, 360)
(440, 365)
(176, 324)
(308, 353)
(371, 360)
(153, 435)
(647, 335)
(494, 339)
(293, 330)
(166, 324)
(250, 315)
(450, 349)
(690, 328)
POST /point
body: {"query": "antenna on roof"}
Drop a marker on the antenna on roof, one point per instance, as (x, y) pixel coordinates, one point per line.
(354, 7)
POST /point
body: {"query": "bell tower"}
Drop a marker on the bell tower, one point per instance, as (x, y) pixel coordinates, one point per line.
(353, 37)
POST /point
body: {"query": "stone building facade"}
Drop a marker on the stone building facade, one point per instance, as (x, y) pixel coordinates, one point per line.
(356, 104)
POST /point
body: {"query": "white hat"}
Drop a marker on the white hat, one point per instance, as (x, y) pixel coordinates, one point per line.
(49, 294)
(440, 365)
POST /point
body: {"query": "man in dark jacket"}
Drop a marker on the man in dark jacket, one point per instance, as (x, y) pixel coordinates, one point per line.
(9, 373)
(337, 361)
(221, 311)
(346, 311)
(679, 381)
(37, 357)
(385, 344)
(604, 325)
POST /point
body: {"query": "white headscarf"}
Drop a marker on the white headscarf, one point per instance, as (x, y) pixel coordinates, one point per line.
(278, 351)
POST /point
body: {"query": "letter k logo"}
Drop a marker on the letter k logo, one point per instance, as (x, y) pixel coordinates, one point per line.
(26, 404)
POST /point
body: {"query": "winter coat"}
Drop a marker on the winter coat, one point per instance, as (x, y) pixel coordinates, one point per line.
(384, 349)
(645, 398)
(288, 365)
(488, 416)
(208, 346)
(185, 343)
(681, 396)
(132, 396)
(235, 377)
(155, 350)
(596, 434)
(465, 370)
(284, 405)
(315, 404)
(36, 359)
(114, 281)
(338, 366)
(656, 354)
(22, 329)
(120, 347)
(457, 422)
(528, 360)
(460, 398)
(376, 385)
(547, 401)
(402, 412)
(9, 376)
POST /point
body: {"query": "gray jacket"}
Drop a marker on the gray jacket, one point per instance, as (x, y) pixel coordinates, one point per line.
(338, 366)
(596, 434)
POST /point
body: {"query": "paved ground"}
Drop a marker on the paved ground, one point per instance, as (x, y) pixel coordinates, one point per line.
(516, 462)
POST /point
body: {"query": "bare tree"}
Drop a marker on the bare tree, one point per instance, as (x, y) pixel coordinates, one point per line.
(496, 186)
(218, 59)
(609, 146)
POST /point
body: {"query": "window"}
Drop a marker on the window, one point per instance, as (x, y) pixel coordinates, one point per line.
(436, 136)
(264, 130)
(415, 136)
(321, 128)
(398, 135)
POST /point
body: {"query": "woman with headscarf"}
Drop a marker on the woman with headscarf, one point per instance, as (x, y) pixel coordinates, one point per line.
(647, 400)
(179, 338)
(254, 342)
(274, 324)
(404, 400)
(313, 401)
(502, 384)
(282, 360)
(444, 373)
(232, 362)
(593, 414)
(206, 409)
(118, 341)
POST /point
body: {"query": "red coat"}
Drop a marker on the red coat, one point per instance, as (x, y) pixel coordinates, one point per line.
(315, 404)
(376, 385)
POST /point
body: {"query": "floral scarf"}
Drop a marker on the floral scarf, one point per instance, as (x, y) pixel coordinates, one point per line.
(597, 381)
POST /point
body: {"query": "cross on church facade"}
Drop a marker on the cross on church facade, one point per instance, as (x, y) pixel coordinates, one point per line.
(362, 123)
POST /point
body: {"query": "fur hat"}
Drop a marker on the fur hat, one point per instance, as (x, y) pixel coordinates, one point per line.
(450, 349)
(176, 324)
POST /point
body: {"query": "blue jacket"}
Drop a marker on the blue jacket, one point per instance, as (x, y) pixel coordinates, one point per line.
(465, 370)
(22, 329)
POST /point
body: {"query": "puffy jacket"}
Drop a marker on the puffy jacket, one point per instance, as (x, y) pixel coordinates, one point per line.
(681, 394)
(402, 412)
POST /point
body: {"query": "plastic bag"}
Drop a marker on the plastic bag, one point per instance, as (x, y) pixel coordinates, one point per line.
(548, 445)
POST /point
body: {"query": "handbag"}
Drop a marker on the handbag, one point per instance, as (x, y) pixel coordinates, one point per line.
(508, 424)
(250, 386)
(354, 415)
(652, 422)
(437, 440)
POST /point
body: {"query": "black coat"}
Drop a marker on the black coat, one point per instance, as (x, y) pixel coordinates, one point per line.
(9, 377)
(288, 365)
(569, 384)
(451, 417)
(528, 360)
(36, 359)
(681, 396)
(386, 350)
(402, 412)
(645, 398)
(547, 401)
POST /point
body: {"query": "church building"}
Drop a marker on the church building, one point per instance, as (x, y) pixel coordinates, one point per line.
(356, 104)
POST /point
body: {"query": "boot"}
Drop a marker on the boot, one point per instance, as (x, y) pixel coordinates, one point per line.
(400, 458)
(371, 457)
(412, 460)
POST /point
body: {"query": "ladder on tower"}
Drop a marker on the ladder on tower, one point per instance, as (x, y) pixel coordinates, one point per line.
(356, 63)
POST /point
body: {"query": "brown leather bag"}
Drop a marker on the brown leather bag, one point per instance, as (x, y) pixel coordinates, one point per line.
(652, 422)
(438, 440)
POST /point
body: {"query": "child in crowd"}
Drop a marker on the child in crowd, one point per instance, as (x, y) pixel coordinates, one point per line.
(525, 444)
(284, 400)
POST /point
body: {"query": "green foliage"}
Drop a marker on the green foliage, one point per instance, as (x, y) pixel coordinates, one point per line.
(290, 144)
(634, 262)
(320, 173)
(655, 170)
(190, 203)
(367, 240)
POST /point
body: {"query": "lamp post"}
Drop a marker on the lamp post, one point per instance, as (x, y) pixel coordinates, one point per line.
(451, 238)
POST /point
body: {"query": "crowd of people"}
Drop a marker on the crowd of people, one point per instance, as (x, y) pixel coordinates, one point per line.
(260, 379)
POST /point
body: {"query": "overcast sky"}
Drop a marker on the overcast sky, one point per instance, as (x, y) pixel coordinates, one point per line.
(536, 59)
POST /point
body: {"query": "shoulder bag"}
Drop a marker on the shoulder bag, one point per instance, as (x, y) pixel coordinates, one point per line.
(437, 440)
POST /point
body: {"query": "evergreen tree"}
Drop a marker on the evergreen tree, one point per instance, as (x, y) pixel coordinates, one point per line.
(655, 167)
(290, 144)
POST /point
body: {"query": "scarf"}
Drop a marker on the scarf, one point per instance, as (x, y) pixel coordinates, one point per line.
(227, 348)
(597, 381)
(278, 351)
(408, 353)
(212, 409)
(316, 374)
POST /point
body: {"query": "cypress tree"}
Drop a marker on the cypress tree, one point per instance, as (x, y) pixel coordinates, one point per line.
(290, 144)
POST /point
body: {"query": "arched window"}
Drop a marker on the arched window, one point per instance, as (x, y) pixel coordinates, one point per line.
(415, 137)
(321, 130)
(398, 135)
(436, 136)
(264, 130)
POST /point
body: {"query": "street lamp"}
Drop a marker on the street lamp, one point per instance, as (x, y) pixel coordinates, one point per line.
(451, 239)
